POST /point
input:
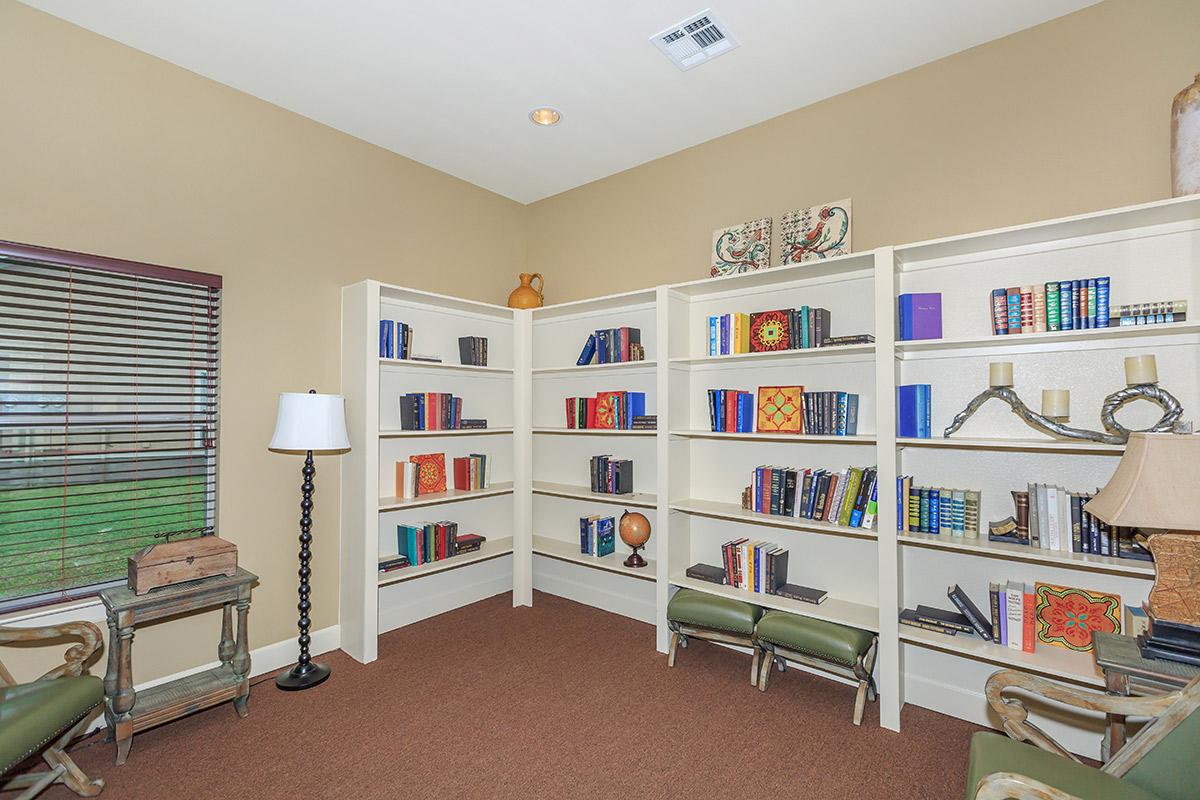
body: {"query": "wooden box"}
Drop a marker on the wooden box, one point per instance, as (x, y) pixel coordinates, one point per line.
(176, 562)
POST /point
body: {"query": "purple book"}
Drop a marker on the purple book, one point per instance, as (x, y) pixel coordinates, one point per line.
(926, 315)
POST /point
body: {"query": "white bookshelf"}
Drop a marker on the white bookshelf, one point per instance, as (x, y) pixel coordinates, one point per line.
(688, 479)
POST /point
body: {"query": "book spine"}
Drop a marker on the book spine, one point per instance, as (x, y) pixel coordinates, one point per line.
(1052, 306)
(999, 312)
(1102, 308)
(1028, 620)
(1013, 294)
(994, 602)
(1066, 319)
(712, 336)
(1039, 309)
(1026, 309)
(968, 609)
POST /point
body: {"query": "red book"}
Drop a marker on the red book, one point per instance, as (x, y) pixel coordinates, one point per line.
(1028, 620)
(768, 331)
(624, 344)
(462, 473)
(730, 410)
(431, 472)
(827, 512)
(591, 412)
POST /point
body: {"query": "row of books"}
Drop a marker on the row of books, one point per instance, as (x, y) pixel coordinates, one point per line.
(612, 346)
(434, 411)
(919, 316)
(767, 331)
(848, 498)
(597, 535)
(755, 566)
(472, 472)
(430, 541)
(946, 512)
(1156, 313)
(395, 339)
(1077, 304)
(607, 410)
(783, 409)
(913, 410)
(1052, 518)
(1011, 622)
(611, 475)
(792, 591)
(473, 351)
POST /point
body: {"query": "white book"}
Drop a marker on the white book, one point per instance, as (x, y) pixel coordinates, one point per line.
(1053, 527)
(1044, 516)
(1034, 516)
(1014, 599)
(408, 484)
(800, 475)
(1064, 514)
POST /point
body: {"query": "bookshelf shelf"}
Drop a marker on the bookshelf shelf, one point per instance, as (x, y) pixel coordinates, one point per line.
(405, 364)
(1042, 341)
(613, 562)
(1030, 445)
(843, 352)
(735, 513)
(593, 432)
(492, 548)
(1015, 552)
(849, 266)
(398, 434)
(441, 498)
(860, 439)
(634, 500)
(842, 612)
(648, 365)
(1053, 662)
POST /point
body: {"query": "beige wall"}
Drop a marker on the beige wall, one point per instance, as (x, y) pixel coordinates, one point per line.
(1068, 117)
(107, 150)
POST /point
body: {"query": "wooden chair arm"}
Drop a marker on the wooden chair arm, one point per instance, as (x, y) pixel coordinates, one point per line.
(77, 655)
(1011, 786)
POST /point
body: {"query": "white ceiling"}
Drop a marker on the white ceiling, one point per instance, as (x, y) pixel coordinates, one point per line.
(449, 82)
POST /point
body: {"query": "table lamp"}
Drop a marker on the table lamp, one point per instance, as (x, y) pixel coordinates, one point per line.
(308, 423)
(1156, 487)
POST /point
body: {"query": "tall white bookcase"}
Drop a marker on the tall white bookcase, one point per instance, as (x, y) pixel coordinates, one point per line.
(688, 480)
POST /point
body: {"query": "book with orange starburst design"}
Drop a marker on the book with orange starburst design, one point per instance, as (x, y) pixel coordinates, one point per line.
(431, 473)
(606, 409)
(780, 410)
(769, 331)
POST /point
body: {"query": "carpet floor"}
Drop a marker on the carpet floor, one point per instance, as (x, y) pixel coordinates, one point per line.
(555, 701)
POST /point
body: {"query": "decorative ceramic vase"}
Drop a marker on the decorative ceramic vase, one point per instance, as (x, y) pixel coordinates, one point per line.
(1185, 141)
(635, 532)
(525, 295)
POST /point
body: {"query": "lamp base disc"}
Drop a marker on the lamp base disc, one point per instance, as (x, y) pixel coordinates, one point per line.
(302, 677)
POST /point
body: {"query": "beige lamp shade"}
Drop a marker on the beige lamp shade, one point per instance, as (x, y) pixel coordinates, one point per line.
(1156, 485)
(310, 422)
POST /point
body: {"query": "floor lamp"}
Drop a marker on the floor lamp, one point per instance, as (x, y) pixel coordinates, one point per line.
(308, 423)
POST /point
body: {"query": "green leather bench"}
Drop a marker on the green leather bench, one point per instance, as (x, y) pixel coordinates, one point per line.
(827, 646)
(715, 618)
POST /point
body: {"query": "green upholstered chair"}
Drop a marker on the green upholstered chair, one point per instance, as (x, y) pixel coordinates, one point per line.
(715, 618)
(43, 717)
(827, 646)
(1162, 762)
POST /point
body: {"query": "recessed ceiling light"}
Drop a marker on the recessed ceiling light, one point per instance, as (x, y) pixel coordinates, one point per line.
(544, 116)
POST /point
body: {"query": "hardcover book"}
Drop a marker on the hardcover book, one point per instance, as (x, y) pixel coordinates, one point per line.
(431, 472)
(804, 594)
(779, 409)
(949, 619)
(707, 572)
(769, 331)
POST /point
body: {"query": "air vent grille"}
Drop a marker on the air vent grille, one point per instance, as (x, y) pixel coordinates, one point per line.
(695, 40)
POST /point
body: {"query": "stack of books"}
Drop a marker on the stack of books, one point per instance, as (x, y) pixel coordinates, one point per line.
(611, 476)
(472, 471)
(920, 316)
(769, 331)
(1050, 517)
(434, 411)
(783, 409)
(755, 566)
(607, 410)
(395, 339)
(612, 346)
(1077, 304)
(775, 568)
(937, 620)
(937, 510)
(913, 403)
(1174, 641)
(847, 498)
(473, 351)
(597, 535)
(645, 422)
(392, 564)
(1163, 311)
(731, 411)
(433, 541)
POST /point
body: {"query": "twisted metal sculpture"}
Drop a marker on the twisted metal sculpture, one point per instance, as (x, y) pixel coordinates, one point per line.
(1117, 433)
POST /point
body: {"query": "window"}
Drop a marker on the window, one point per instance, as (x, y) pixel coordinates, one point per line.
(108, 417)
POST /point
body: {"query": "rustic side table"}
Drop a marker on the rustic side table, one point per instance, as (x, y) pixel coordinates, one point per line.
(1126, 672)
(127, 711)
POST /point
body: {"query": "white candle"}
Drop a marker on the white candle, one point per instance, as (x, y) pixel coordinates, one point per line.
(1000, 373)
(1140, 369)
(1056, 403)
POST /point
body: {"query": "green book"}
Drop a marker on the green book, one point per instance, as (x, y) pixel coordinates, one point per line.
(1052, 306)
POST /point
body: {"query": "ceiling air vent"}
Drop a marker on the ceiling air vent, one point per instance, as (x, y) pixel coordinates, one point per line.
(699, 38)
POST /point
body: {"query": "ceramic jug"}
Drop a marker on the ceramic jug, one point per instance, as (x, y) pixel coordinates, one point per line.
(525, 295)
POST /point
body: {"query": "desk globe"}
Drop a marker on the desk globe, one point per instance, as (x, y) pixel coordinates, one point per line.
(635, 532)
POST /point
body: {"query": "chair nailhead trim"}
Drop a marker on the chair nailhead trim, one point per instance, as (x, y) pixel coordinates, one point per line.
(710, 627)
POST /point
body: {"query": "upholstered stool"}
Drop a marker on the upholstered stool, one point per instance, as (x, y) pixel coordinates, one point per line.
(718, 619)
(838, 649)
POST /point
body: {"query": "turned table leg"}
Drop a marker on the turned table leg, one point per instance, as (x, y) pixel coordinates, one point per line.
(241, 657)
(110, 678)
(125, 696)
(1116, 683)
(225, 646)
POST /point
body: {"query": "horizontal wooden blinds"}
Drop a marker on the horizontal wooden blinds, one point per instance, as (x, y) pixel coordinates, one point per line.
(108, 416)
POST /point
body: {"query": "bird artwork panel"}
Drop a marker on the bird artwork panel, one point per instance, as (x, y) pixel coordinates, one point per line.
(741, 248)
(815, 233)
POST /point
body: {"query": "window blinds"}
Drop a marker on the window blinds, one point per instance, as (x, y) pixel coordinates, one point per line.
(108, 416)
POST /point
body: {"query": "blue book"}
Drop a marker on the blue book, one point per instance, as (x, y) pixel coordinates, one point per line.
(583, 535)
(1066, 319)
(1102, 315)
(602, 346)
(906, 410)
(713, 348)
(724, 334)
(924, 401)
(905, 310)
(1003, 615)
(851, 415)
(401, 337)
(406, 543)
(606, 539)
(805, 334)
(589, 350)
(839, 424)
(746, 413)
(385, 338)
(1076, 296)
(635, 406)
(935, 511)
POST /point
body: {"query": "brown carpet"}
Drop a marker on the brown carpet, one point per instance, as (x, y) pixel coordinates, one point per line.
(556, 701)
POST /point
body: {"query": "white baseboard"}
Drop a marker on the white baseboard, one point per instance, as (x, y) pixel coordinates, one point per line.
(412, 601)
(268, 658)
(604, 590)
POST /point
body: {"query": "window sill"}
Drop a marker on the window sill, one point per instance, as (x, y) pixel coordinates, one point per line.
(89, 609)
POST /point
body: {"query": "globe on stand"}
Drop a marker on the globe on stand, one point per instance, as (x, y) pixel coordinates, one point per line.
(635, 532)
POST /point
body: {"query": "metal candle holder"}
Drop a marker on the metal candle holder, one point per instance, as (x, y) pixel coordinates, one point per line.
(1117, 433)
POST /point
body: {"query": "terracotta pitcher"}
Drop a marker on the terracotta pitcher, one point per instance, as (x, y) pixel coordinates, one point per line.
(525, 295)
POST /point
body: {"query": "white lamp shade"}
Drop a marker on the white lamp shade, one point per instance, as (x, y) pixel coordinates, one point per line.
(308, 421)
(1156, 484)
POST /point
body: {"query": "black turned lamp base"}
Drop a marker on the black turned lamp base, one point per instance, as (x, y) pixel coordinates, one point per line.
(302, 676)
